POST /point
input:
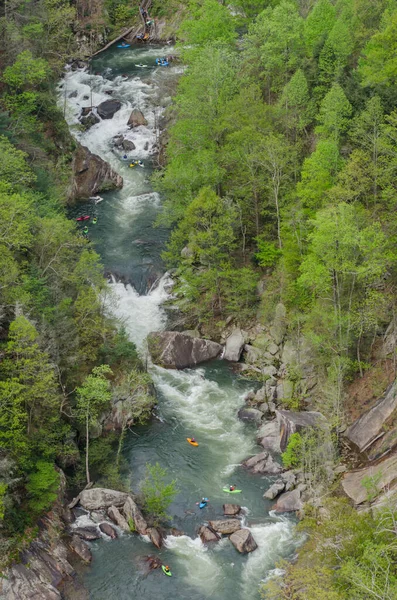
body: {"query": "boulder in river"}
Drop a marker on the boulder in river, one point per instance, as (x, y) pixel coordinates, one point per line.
(89, 119)
(132, 511)
(250, 414)
(230, 510)
(225, 526)
(268, 436)
(243, 541)
(289, 502)
(108, 108)
(369, 427)
(136, 119)
(263, 463)
(118, 518)
(206, 535)
(96, 498)
(292, 422)
(81, 548)
(274, 490)
(108, 530)
(92, 175)
(234, 346)
(128, 145)
(87, 533)
(174, 350)
(155, 537)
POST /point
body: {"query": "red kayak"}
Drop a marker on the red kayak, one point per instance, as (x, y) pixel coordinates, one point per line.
(83, 218)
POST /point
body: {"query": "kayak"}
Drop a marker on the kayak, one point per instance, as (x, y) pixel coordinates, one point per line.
(192, 443)
(203, 503)
(232, 491)
(141, 66)
(166, 572)
(83, 218)
(123, 45)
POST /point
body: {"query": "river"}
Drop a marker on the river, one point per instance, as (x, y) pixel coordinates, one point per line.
(201, 402)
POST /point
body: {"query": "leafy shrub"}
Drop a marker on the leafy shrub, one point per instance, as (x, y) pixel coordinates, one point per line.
(291, 456)
(157, 494)
(42, 487)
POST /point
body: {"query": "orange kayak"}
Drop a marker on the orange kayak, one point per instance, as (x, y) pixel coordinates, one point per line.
(192, 443)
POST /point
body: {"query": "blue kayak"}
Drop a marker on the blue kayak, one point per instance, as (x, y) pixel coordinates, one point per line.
(123, 45)
(203, 503)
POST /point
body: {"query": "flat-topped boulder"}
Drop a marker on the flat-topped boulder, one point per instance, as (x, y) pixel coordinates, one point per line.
(225, 526)
(88, 533)
(234, 346)
(253, 415)
(274, 490)
(118, 518)
(108, 530)
(108, 108)
(263, 463)
(92, 175)
(174, 350)
(369, 427)
(292, 422)
(136, 119)
(81, 549)
(243, 541)
(289, 502)
(268, 436)
(132, 511)
(97, 498)
(230, 510)
(383, 474)
(206, 535)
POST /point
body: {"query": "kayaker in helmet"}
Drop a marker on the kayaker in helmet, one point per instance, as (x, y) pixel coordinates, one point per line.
(166, 569)
(94, 220)
(232, 488)
(85, 230)
(193, 440)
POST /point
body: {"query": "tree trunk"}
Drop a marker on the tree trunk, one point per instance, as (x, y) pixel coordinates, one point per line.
(87, 442)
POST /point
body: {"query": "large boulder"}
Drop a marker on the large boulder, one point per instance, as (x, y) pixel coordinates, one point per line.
(243, 541)
(132, 511)
(225, 526)
(107, 529)
(369, 427)
(292, 422)
(274, 490)
(87, 533)
(97, 498)
(231, 510)
(89, 119)
(81, 549)
(382, 475)
(250, 414)
(268, 436)
(118, 518)
(206, 535)
(234, 346)
(108, 108)
(92, 175)
(174, 350)
(289, 502)
(136, 119)
(263, 463)
(155, 537)
(279, 327)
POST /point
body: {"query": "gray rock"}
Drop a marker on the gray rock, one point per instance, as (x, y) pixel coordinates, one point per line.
(73, 94)
(97, 498)
(289, 502)
(274, 490)
(284, 389)
(264, 408)
(234, 346)
(132, 511)
(136, 119)
(269, 371)
(279, 327)
(108, 108)
(155, 537)
(383, 474)
(118, 518)
(87, 533)
(174, 350)
(225, 526)
(250, 414)
(206, 535)
(128, 145)
(230, 510)
(252, 355)
(118, 140)
(92, 175)
(89, 119)
(243, 541)
(289, 480)
(81, 549)
(262, 463)
(272, 348)
(268, 436)
(291, 422)
(367, 428)
(108, 530)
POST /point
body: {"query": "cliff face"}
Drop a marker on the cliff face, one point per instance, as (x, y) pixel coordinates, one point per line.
(91, 175)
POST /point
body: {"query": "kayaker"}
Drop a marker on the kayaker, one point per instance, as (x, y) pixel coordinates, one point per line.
(166, 569)
(94, 220)
(193, 440)
(232, 488)
(140, 163)
(85, 230)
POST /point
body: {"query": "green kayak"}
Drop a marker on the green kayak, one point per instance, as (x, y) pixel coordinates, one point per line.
(166, 572)
(232, 491)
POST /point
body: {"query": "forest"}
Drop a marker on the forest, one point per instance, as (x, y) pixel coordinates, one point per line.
(280, 176)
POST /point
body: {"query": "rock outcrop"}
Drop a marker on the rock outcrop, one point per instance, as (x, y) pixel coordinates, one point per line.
(132, 511)
(292, 422)
(274, 490)
(92, 175)
(263, 463)
(234, 346)
(174, 350)
(108, 530)
(136, 119)
(243, 541)
(225, 526)
(289, 502)
(250, 414)
(88, 534)
(155, 537)
(369, 427)
(81, 549)
(118, 518)
(268, 436)
(231, 510)
(206, 535)
(97, 498)
(382, 475)
(108, 108)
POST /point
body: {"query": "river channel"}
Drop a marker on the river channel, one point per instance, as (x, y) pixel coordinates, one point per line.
(201, 402)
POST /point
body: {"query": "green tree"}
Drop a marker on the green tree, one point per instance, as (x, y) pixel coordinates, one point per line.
(26, 71)
(42, 487)
(334, 114)
(318, 24)
(91, 400)
(209, 22)
(157, 494)
(377, 66)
